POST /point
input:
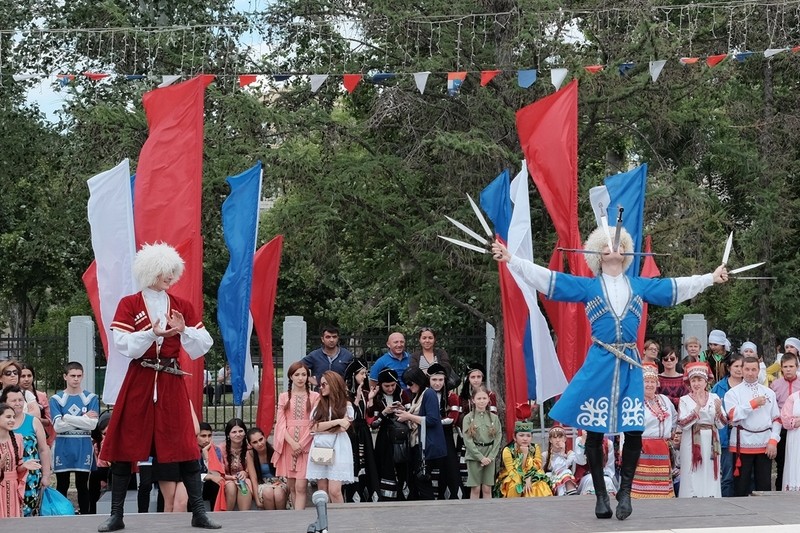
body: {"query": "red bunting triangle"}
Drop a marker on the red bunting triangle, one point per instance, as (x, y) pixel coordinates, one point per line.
(351, 81)
(796, 49)
(95, 76)
(594, 69)
(246, 79)
(713, 61)
(688, 60)
(487, 76)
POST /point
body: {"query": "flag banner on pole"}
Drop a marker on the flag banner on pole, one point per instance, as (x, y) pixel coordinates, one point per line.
(239, 228)
(168, 192)
(266, 266)
(110, 213)
(649, 270)
(627, 189)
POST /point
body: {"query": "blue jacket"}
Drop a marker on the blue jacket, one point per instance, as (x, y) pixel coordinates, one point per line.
(720, 388)
(435, 444)
(319, 362)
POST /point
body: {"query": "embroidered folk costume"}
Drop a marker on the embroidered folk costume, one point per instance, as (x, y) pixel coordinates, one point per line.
(606, 395)
(700, 415)
(521, 474)
(653, 477)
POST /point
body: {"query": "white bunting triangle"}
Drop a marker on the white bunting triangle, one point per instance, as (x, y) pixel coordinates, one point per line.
(769, 52)
(166, 81)
(656, 67)
(421, 79)
(317, 80)
(23, 77)
(557, 76)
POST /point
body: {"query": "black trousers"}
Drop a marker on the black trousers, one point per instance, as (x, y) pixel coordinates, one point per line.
(81, 484)
(753, 465)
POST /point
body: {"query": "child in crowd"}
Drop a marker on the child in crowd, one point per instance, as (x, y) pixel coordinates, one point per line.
(522, 475)
(12, 469)
(586, 484)
(481, 429)
(559, 464)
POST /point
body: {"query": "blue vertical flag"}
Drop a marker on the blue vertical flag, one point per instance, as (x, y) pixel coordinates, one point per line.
(627, 190)
(239, 227)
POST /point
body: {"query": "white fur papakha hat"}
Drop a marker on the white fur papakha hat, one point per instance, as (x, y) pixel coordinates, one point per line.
(598, 240)
(154, 260)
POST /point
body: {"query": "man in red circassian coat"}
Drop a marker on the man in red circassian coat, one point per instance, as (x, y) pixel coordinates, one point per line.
(153, 414)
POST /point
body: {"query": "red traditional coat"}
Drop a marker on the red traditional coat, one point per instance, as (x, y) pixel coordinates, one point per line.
(139, 426)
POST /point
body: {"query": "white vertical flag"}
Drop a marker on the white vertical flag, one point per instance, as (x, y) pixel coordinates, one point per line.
(550, 379)
(656, 67)
(110, 211)
(557, 76)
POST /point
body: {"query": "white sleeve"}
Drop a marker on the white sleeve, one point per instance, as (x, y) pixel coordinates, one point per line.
(691, 286)
(196, 341)
(80, 422)
(133, 345)
(534, 275)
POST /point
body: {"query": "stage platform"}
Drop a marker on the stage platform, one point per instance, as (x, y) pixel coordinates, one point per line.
(771, 512)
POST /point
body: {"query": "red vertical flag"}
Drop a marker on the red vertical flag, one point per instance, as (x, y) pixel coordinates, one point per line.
(93, 292)
(168, 192)
(548, 133)
(266, 265)
(649, 270)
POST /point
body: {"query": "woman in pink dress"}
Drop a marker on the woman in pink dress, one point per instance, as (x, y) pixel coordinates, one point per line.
(12, 469)
(293, 432)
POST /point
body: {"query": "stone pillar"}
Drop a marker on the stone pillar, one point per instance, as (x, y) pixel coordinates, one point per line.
(295, 332)
(694, 326)
(81, 348)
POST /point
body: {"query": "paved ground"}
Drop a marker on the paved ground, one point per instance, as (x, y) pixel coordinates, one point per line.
(773, 513)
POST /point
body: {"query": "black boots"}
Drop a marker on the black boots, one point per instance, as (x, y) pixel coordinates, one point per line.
(594, 456)
(190, 474)
(630, 457)
(120, 476)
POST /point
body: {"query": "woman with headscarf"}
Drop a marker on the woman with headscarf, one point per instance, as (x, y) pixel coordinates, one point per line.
(360, 435)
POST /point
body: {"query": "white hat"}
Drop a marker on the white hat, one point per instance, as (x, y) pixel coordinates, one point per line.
(598, 240)
(748, 346)
(154, 260)
(717, 336)
(793, 341)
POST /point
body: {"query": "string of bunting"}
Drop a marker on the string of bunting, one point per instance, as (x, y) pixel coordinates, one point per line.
(350, 81)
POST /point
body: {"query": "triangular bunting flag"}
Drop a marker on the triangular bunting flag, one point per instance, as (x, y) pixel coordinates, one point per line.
(166, 81)
(351, 81)
(382, 76)
(741, 56)
(625, 67)
(526, 78)
(64, 79)
(23, 77)
(95, 76)
(454, 82)
(487, 76)
(557, 76)
(134, 77)
(795, 49)
(688, 60)
(713, 61)
(594, 69)
(316, 81)
(246, 79)
(655, 68)
(421, 79)
(281, 77)
(769, 52)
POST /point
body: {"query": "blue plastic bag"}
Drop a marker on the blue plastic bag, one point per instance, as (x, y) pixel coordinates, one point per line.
(55, 504)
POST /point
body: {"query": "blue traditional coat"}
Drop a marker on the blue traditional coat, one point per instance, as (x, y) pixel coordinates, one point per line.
(606, 394)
